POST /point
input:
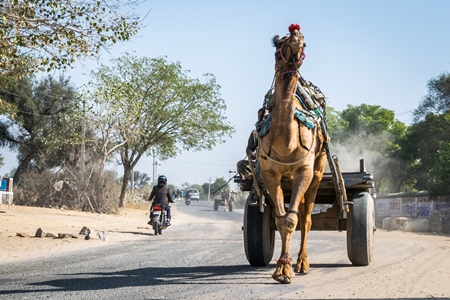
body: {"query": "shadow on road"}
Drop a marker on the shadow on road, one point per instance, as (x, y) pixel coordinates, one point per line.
(142, 277)
(134, 232)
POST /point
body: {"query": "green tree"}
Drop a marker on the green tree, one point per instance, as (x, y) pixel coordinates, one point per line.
(439, 174)
(39, 130)
(365, 119)
(216, 186)
(437, 100)
(157, 107)
(425, 146)
(335, 124)
(420, 145)
(141, 179)
(372, 133)
(44, 35)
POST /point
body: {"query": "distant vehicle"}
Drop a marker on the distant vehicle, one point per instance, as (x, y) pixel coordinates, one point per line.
(194, 194)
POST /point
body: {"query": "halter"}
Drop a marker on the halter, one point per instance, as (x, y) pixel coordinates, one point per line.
(293, 62)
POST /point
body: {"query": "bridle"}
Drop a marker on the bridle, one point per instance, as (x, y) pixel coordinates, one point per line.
(292, 61)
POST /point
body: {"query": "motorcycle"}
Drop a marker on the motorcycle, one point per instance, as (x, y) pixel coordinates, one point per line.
(158, 219)
(188, 200)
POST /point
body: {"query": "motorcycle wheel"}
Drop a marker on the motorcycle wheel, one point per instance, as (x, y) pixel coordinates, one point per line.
(156, 228)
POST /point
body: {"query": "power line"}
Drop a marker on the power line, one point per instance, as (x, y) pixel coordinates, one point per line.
(404, 113)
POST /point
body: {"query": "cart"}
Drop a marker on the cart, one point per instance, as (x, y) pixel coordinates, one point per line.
(350, 208)
(219, 201)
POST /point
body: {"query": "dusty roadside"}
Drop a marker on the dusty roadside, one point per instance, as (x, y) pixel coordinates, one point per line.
(130, 224)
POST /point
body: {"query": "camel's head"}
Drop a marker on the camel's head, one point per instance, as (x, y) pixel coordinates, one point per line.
(290, 50)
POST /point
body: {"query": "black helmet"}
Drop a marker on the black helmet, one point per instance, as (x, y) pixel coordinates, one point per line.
(162, 179)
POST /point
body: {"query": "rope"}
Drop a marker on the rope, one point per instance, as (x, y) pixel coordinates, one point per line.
(222, 186)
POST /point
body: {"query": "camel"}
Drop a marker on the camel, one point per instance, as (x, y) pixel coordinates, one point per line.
(291, 152)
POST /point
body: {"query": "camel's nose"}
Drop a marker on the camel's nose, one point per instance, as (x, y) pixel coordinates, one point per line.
(295, 40)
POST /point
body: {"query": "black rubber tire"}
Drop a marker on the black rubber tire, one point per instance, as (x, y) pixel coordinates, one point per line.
(230, 206)
(259, 237)
(216, 205)
(360, 229)
(156, 227)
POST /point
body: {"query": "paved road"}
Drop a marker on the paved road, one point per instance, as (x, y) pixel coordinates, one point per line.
(202, 257)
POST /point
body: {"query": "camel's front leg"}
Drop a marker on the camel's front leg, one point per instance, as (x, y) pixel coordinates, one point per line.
(305, 210)
(286, 226)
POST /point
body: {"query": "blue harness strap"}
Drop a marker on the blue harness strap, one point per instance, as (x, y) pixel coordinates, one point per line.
(263, 126)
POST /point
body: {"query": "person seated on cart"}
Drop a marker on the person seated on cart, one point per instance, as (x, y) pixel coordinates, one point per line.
(243, 167)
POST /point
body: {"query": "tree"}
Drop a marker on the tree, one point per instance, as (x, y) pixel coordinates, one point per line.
(216, 186)
(420, 145)
(335, 124)
(141, 179)
(39, 130)
(439, 174)
(46, 34)
(53, 34)
(365, 119)
(159, 108)
(372, 133)
(437, 101)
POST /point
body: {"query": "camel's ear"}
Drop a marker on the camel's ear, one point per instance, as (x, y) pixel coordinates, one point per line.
(275, 40)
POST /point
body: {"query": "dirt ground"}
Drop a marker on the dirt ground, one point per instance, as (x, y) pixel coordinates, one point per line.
(406, 265)
(129, 224)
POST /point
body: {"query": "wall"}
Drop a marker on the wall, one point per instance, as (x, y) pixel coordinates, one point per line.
(413, 212)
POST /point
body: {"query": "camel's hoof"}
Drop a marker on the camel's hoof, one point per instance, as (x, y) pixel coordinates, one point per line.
(300, 271)
(282, 279)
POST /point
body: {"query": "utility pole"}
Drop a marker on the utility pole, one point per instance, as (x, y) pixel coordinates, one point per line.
(154, 164)
(155, 168)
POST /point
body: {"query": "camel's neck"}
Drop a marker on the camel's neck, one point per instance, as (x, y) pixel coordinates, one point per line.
(283, 124)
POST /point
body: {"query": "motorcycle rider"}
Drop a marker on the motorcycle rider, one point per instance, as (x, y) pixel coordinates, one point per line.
(160, 195)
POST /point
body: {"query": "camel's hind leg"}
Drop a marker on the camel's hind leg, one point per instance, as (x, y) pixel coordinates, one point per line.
(305, 210)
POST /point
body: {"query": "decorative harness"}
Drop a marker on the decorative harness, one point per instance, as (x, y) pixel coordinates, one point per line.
(292, 61)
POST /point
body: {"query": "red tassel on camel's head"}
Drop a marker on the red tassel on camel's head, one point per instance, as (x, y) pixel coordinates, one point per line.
(293, 27)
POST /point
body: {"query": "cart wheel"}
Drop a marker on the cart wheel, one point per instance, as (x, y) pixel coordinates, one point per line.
(360, 229)
(259, 237)
(216, 205)
(230, 206)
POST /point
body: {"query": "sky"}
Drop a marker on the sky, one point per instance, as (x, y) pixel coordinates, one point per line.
(380, 52)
